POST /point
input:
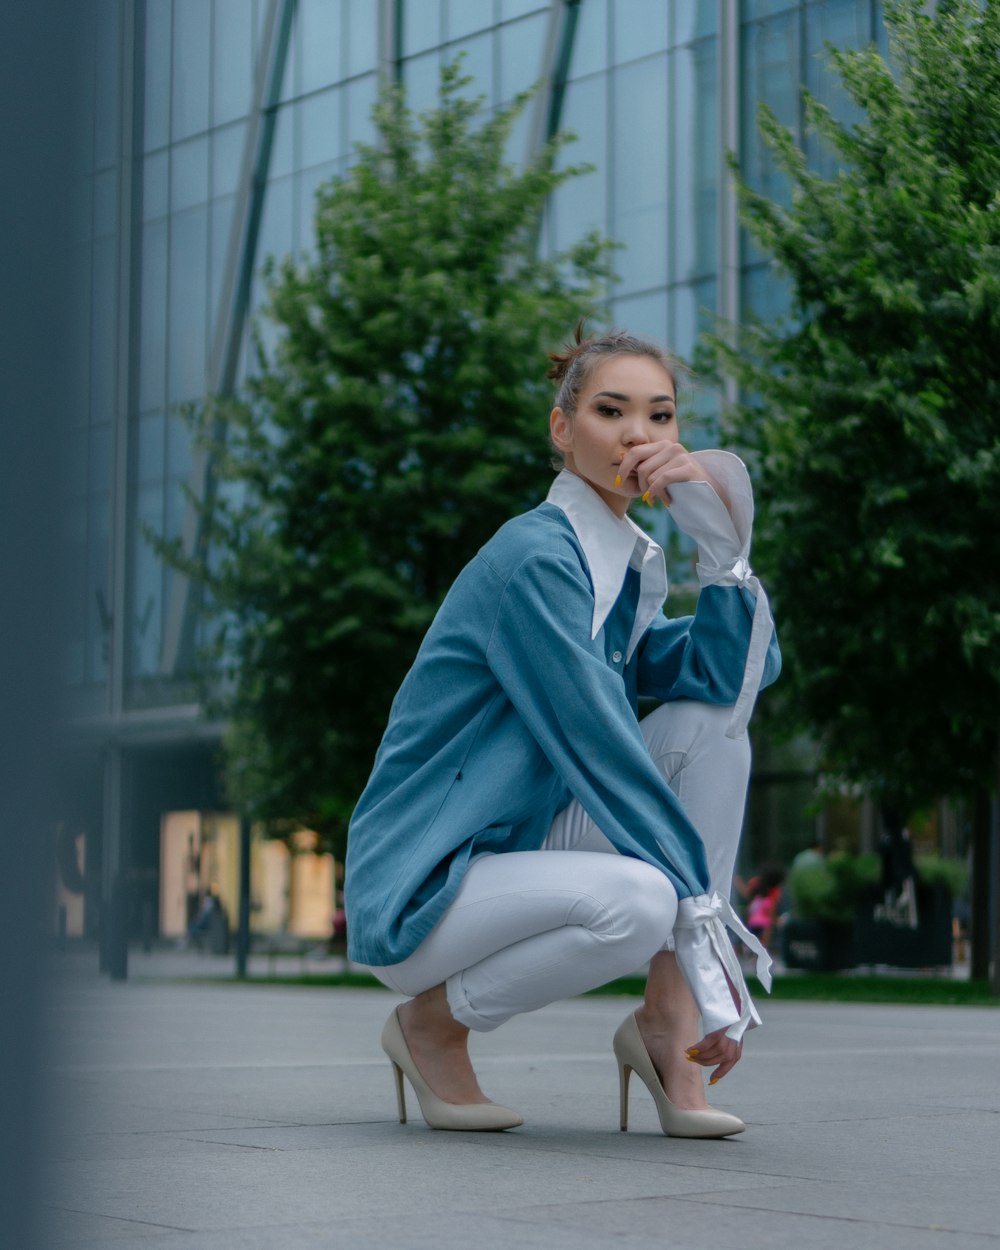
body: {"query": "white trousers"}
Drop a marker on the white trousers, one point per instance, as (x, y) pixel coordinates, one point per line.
(527, 928)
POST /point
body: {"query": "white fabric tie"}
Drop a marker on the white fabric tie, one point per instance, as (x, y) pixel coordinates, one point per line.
(704, 951)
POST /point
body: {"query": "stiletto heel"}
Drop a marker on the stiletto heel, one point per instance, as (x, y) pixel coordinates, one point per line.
(474, 1117)
(632, 1055)
(400, 1092)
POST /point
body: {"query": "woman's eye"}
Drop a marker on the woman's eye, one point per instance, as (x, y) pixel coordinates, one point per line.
(663, 417)
(609, 410)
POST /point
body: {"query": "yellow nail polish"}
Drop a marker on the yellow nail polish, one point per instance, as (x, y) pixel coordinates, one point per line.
(715, 1080)
(647, 498)
(618, 480)
(692, 1051)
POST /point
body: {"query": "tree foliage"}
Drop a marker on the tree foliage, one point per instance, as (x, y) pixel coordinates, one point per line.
(396, 421)
(873, 411)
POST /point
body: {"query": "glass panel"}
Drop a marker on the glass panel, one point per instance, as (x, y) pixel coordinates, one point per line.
(360, 97)
(520, 61)
(845, 24)
(319, 122)
(192, 45)
(146, 583)
(769, 73)
(765, 293)
(515, 8)
(321, 40)
(362, 38)
(477, 63)
(227, 157)
(155, 184)
(422, 76)
(306, 202)
(283, 144)
(149, 447)
(691, 311)
(232, 60)
(581, 205)
(694, 158)
(187, 316)
(639, 28)
(98, 584)
(103, 329)
(100, 461)
(639, 172)
(107, 85)
(276, 225)
(221, 221)
(590, 45)
(77, 462)
(188, 174)
(106, 202)
(153, 324)
(751, 9)
(421, 25)
(464, 17)
(642, 314)
(157, 74)
(180, 456)
(692, 21)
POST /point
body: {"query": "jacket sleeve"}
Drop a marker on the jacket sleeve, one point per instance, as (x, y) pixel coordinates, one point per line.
(576, 708)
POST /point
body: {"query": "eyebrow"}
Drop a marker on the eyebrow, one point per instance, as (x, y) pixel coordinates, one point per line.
(654, 399)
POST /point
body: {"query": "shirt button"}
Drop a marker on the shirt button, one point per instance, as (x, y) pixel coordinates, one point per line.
(617, 657)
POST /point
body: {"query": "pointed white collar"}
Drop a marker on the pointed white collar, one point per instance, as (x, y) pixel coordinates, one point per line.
(611, 544)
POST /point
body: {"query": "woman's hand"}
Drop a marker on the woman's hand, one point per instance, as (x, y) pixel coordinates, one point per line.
(716, 1048)
(658, 465)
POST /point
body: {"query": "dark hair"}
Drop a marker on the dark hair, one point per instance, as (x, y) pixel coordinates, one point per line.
(571, 368)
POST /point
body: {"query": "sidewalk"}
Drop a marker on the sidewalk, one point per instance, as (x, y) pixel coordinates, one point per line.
(216, 1116)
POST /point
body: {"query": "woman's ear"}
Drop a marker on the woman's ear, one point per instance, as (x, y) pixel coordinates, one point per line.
(560, 430)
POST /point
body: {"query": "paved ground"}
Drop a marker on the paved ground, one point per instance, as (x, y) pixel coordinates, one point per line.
(216, 1117)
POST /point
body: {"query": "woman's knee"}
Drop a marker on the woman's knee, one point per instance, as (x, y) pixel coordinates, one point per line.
(648, 903)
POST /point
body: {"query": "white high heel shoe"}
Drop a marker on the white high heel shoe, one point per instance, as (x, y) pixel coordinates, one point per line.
(632, 1056)
(474, 1117)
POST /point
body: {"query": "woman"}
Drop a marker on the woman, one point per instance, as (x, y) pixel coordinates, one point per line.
(523, 838)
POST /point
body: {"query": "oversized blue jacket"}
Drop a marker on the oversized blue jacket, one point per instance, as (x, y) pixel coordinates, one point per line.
(514, 706)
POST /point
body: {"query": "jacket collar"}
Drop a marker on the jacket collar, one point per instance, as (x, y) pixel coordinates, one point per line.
(610, 545)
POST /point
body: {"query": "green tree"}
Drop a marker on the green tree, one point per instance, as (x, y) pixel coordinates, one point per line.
(396, 421)
(873, 411)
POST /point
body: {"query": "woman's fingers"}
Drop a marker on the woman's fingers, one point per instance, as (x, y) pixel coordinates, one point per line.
(717, 1051)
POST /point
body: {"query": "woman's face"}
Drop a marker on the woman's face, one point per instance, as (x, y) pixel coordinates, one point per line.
(626, 401)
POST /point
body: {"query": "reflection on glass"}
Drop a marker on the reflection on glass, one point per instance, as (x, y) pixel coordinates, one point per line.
(422, 77)
(694, 159)
(319, 133)
(693, 21)
(692, 307)
(188, 174)
(305, 198)
(590, 46)
(227, 157)
(283, 144)
(103, 328)
(769, 73)
(146, 584)
(105, 219)
(845, 24)
(520, 61)
(156, 72)
(464, 17)
(515, 8)
(100, 459)
(362, 39)
(154, 185)
(639, 28)
(642, 314)
(153, 320)
(220, 224)
(321, 26)
(421, 26)
(187, 317)
(179, 446)
(98, 585)
(360, 97)
(107, 85)
(191, 45)
(232, 60)
(149, 447)
(477, 63)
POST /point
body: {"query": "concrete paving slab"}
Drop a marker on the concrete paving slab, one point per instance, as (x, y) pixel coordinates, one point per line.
(212, 1116)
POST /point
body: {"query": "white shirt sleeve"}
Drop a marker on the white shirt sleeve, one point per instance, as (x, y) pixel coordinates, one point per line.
(723, 538)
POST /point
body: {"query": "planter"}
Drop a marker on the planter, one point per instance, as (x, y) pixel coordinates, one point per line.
(818, 945)
(884, 938)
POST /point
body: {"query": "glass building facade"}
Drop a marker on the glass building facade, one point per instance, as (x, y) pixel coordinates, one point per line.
(212, 123)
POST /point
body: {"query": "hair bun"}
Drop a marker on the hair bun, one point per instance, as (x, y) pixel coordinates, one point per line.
(561, 361)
